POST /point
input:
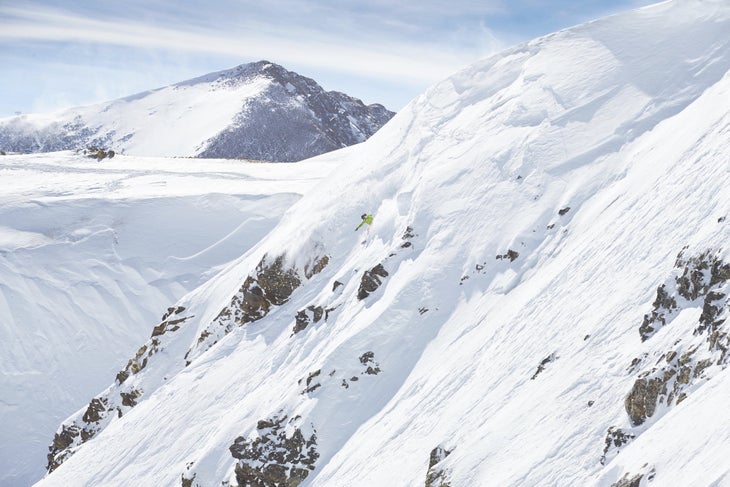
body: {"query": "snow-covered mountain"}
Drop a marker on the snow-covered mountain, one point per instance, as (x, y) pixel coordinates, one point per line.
(253, 111)
(91, 253)
(541, 300)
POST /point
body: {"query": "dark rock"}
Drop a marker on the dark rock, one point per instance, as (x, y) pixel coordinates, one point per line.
(550, 358)
(368, 359)
(97, 153)
(311, 387)
(277, 283)
(641, 402)
(272, 284)
(171, 311)
(371, 281)
(615, 439)
(122, 376)
(168, 326)
(627, 481)
(693, 282)
(187, 482)
(335, 285)
(713, 306)
(563, 211)
(437, 477)
(59, 450)
(700, 277)
(129, 399)
(511, 255)
(66, 437)
(301, 321)
(407, 235)
(317, 311)
(272, 458)
(636, 361)
(314, 268)
(663, 305)
(94, 412)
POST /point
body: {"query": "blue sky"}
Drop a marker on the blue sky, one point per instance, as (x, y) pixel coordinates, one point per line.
(60, 53)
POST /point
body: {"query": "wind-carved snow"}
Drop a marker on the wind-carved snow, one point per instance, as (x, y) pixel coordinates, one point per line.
(92, 252)
(544, 194)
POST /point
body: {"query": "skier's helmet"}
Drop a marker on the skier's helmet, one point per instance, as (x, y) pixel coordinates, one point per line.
(363, 216)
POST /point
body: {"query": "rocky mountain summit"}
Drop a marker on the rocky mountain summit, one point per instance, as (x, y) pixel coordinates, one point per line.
(255, 111)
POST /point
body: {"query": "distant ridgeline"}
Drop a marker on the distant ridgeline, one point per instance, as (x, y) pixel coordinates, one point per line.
(255, 111)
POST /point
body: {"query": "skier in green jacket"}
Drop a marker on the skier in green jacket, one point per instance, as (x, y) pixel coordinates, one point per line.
(366, 218)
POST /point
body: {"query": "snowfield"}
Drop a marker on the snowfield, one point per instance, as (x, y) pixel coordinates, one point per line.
(542, 298)
(90, 251)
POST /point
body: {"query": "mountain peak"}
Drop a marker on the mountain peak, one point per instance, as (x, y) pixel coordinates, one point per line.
(258, 110)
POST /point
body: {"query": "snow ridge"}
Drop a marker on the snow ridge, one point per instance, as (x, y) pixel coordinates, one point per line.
(486, 329)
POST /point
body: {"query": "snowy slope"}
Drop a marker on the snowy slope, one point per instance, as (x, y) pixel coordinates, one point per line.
(253, 111)
(92, 252)
(541, 299)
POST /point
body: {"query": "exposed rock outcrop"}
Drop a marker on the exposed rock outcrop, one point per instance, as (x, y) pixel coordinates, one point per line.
(437, 476)
(696, 278)
(634, 480)
(371, 281)
(117, 400)
(510, 255)
(271, 284)
(699, 284)
(271, 457)
(541, 366)
(616, 438)
(700, 281)
(306, 316)
(367, 359)
(310, 383)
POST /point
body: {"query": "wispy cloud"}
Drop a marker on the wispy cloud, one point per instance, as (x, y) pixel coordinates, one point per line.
(378, 55)
(379, 50)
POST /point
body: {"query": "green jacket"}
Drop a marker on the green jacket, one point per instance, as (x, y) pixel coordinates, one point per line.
(368, 219)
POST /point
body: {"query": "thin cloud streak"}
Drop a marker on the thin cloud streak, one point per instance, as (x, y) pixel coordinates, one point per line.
(381, 51)
(412, 62)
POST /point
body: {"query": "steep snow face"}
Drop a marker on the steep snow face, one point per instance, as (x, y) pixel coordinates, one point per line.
(92, 252)
(254, 111)
(503, 322)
